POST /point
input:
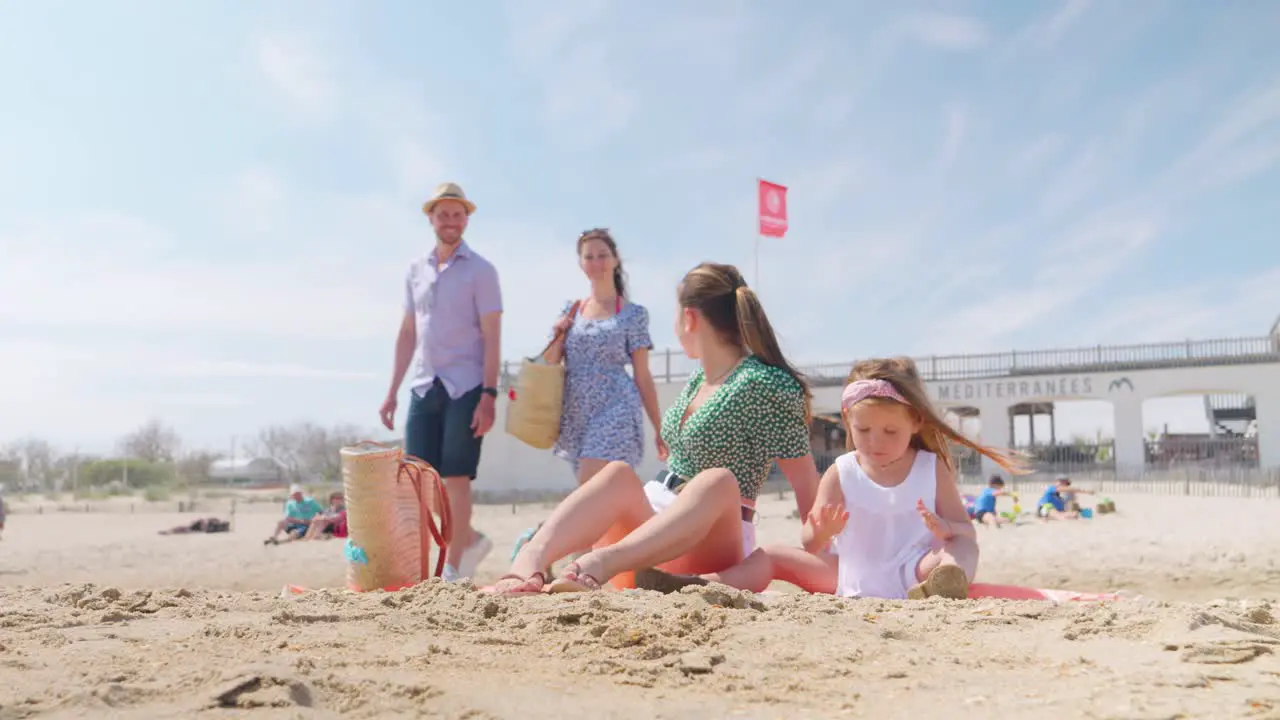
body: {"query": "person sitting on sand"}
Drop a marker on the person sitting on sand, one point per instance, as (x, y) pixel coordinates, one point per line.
(743, 410)
(203, 525)
(1059, 501)
(298, 512)
(332, 522)
(984, 508)
(888, 521)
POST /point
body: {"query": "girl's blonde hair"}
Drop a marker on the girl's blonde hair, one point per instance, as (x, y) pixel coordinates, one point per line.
(901, 373)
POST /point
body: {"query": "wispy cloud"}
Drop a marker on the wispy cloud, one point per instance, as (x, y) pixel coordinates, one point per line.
(563, 48)
(943, 31)
(297, 71)
(957, 127)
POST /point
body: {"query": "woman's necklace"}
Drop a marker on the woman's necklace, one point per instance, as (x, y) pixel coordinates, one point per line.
(724, 374)
(891, 463)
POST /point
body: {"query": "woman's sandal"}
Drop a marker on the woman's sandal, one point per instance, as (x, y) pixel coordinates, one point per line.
(945, 581)
(584, 582)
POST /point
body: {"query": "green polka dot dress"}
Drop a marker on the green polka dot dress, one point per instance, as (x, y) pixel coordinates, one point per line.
(755, 417)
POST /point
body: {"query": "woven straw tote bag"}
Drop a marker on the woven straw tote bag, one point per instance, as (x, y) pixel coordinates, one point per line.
(537, 398)
(392, 500)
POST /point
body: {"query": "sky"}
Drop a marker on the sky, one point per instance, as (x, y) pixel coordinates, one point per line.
(207, 208)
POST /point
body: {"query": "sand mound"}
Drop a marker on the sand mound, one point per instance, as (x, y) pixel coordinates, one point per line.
(441, 650)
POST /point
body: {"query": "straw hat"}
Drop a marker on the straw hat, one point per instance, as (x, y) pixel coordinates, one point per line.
(448, 191)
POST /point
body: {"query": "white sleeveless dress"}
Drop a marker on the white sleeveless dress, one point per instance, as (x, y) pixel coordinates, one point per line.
(885, 537)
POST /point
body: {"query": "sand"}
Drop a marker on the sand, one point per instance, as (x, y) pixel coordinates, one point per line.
(102, 617)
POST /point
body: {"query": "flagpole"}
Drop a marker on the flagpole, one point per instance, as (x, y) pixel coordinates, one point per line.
(757, 280)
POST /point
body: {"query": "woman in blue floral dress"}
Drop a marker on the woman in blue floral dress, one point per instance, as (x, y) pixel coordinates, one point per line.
(602, 419)
(599, 336)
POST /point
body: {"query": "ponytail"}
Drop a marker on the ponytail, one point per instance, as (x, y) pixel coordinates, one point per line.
(619, 284)
(758, 337)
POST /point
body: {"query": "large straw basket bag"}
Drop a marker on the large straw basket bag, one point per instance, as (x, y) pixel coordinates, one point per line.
(392, 503)
(533, 409)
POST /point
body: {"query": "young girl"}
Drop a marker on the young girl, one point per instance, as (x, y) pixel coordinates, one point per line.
(891, 505)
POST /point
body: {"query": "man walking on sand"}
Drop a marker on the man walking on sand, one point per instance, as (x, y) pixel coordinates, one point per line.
(452, 321)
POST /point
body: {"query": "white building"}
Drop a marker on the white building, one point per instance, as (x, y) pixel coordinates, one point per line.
(248, 472)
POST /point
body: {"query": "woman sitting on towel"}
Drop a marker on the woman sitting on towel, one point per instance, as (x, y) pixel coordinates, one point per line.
(889, 521)
(743, 410)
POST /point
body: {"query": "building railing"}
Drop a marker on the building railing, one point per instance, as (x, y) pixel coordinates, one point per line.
(669, 366)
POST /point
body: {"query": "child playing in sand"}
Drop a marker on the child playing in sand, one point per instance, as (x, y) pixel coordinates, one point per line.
(887, 545)
(891, 504)
(984, 508)
(1059, 500)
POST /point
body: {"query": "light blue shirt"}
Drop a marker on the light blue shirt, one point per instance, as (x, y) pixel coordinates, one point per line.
(303, 509)
(448, 302)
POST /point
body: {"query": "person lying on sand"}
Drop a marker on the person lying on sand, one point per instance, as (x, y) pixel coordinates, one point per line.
(743, 410)
(889, 521)
(203, 525)
(298, 513)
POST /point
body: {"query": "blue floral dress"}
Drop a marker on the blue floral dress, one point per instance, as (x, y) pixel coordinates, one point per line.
(603, 417)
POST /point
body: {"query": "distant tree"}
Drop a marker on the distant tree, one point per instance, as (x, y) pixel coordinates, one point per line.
(194, 467)
(320, 447)
(306, 450)
(38, 464)
(11, 468)
(153, 442)
(281, 443)
(130, 473)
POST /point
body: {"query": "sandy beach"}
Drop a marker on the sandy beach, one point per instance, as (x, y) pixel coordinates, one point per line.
(102, 617)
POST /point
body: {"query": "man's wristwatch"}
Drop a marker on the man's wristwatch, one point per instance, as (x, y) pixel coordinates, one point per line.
(490, 391)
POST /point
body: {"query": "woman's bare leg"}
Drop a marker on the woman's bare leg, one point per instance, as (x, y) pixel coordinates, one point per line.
(614, 496)
(812, 573)
(587, 469)
(700, 532)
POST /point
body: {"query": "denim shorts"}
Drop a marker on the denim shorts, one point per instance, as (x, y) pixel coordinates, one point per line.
(438, 430)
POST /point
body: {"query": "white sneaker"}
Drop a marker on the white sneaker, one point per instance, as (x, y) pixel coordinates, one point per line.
(449, 574)
(474, 555)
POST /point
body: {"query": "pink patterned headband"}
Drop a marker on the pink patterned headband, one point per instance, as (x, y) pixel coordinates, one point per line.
(859, 390)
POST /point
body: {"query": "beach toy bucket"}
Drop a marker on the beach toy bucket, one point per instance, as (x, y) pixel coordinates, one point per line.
(392, 503)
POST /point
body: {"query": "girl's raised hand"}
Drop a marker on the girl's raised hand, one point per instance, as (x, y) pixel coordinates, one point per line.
(828, 520)
(940, 528)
